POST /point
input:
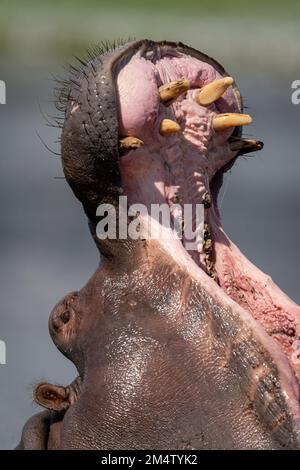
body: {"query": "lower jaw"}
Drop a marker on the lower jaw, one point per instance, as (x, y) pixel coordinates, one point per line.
(256, 292)
(228, 274)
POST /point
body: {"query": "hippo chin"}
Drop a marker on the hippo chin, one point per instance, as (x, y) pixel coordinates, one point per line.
(175, 348)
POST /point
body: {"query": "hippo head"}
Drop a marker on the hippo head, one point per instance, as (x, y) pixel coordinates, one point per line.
(179, 344)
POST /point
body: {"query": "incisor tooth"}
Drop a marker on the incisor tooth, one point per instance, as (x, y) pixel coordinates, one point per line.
(224, 121)
(213, 91)
(170, 91)
(131, 143)
(245, 145)
(167, 126)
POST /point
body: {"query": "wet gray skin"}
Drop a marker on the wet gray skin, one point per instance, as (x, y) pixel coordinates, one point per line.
(164, 360)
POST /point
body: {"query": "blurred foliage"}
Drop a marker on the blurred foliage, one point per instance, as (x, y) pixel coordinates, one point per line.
(228, 7)
(40, 30)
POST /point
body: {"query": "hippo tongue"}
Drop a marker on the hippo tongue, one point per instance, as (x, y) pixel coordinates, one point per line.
(181, 146)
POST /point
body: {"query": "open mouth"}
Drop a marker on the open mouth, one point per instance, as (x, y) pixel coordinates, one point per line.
(180, 119)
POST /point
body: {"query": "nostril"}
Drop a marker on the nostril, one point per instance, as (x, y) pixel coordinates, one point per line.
(63, 328)
(63, 313)
(65, 316)
(60, 318)
(64, 323)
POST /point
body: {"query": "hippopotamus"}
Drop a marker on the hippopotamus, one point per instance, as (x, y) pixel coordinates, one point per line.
(175, 348)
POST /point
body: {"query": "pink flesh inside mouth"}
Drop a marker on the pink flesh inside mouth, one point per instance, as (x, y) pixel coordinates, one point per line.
(181, 167)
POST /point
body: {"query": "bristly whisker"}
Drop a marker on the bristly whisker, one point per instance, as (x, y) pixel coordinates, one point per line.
(47, 147)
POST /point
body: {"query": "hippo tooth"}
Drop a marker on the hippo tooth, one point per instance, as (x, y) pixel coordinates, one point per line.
(245, 145)
(172, 90)
(213, 91)
(167, 126)
(131, 143)
(225, 121)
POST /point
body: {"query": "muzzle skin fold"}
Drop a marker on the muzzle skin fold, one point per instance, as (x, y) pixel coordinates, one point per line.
(175, 348)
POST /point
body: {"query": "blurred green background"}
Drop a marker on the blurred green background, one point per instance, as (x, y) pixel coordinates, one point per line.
(45, 247)
(257, 33)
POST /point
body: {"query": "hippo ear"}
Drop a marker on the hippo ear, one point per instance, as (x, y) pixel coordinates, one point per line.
(57, 397)
(52, 397)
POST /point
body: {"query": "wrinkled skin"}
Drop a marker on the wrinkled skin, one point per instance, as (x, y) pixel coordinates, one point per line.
(167, 357)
